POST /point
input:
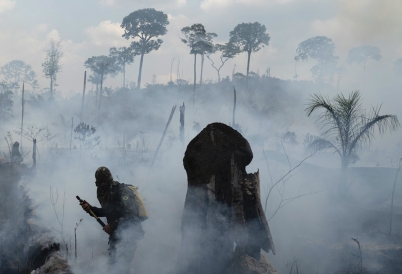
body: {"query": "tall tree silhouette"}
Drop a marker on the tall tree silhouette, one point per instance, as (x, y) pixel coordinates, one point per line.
(249, 37)
(196, 39)
(52, 66)
(16, 72)
(102, 66)
(321, 49)
(124, 56)
(144, 26)
(226, 53)
(360, 55)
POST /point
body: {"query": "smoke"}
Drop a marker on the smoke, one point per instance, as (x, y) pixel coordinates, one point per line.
(312, 229)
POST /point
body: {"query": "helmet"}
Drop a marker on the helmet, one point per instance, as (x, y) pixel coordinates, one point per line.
(103, 174)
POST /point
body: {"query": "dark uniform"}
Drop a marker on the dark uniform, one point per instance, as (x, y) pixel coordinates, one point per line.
(121, 211)
(15, 153)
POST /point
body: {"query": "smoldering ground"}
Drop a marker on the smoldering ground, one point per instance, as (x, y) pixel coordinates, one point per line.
(313, 230)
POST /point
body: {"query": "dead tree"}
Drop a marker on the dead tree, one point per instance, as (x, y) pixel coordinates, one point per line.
(182, 112)
(222, 206)
(22, 116)
(234, 108)
(164, 133)
(34, 153)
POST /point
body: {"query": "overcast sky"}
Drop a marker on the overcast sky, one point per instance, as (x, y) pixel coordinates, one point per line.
(89, 28)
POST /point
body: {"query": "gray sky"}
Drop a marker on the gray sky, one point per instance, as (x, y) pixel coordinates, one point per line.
(91, 27)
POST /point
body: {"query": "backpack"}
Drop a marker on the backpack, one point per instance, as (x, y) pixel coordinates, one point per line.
(142, 212)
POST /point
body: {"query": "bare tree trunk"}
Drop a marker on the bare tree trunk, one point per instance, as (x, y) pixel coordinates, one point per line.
(34, 154)
(163, 135)
(202, 67)
(195, 76)
(222, 205)
(51, 86)
(182, 112)
(248, 67)
(139, 73)
(234, 108)
(96, 96)
(83, 96)
(22, 116)
(100, 98)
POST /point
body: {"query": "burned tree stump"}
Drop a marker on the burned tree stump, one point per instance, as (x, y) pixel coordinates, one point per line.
(222, 205)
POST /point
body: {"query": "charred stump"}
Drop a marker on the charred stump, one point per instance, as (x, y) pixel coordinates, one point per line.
(222, 205)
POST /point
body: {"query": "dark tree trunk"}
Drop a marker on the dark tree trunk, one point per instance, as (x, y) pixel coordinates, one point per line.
(140, 72)
(100, 98)
(34, 154)
(248, 67)
(22, 115)
(195, 76)
(96, 95)
(222, 205)
(83, 96)
(202, 68)
(182, 112)
(234, 108)
(51, 86)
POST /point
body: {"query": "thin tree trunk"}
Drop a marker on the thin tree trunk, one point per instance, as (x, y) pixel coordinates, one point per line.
(219, 77)
(51, 87)
(202, 67)
(234, 108)
(163, 135)
(195, 76)
(100, 98)
(392, 196)
(139, 73)
(83, 96)
(96, 95)
(248, 67)
(182, 113)
(22, 115)
(34, 154)
(75, 247)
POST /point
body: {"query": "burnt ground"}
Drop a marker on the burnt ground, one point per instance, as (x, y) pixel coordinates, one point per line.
(317, 232)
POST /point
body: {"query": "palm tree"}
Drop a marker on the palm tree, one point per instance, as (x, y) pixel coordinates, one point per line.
(345, 126)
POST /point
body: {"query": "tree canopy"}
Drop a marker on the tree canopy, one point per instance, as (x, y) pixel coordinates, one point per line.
(227, 51)
(322, 49)
(17, 71)
(124, 56)
(102, 65)
(51, 65)
(144, 25)
(360, 55)
(248, 37)
(6, 101)
(319, 48)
